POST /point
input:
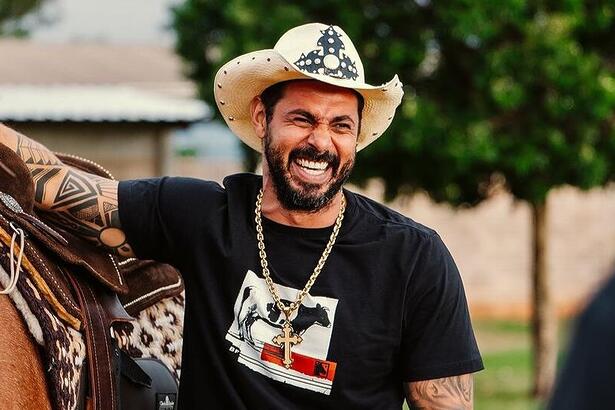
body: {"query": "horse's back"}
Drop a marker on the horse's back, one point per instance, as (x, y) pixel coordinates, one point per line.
(22, 378)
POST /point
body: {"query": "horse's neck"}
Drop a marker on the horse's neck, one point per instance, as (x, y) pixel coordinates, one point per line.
(21, 369)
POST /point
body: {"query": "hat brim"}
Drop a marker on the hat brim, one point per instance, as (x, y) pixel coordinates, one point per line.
(247, 76)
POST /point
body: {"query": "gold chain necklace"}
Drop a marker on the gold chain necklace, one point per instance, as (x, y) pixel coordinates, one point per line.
(288, 337)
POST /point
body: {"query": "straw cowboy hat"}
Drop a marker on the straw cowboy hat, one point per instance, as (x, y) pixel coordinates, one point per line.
(311, 51)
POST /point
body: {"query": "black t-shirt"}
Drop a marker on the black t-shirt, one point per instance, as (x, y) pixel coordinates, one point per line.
(388, 307)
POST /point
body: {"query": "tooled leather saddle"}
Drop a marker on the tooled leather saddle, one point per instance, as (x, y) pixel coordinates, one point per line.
(87, 289)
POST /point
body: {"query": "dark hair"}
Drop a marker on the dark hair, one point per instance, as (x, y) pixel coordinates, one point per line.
(275, 92)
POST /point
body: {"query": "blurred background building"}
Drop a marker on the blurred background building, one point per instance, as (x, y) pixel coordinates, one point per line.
(102, 81)
(117, 105)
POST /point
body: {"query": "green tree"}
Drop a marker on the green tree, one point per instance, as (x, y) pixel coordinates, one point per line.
(11, 14)
(513, 93)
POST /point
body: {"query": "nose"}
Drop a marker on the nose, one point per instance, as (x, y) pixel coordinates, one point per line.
(320, 138)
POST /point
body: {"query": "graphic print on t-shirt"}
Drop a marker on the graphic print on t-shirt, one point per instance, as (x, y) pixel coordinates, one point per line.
(258, 320)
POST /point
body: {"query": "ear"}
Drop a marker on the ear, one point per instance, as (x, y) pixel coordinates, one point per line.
(258, 117)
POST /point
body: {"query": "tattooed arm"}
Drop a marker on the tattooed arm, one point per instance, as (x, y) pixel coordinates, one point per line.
(83, 203)
(448, 393)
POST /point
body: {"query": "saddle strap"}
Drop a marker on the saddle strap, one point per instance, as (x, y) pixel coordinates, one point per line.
(103, 360)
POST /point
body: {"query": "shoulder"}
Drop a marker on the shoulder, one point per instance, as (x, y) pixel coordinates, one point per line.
(417, 249)
(232, 185)
(378, 215)
(244, 181)
(177, 194)
(195, 185)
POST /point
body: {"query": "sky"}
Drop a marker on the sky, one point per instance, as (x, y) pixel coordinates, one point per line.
(109, 21)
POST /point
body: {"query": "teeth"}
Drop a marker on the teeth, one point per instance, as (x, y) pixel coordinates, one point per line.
(314, 172)
(312, 165)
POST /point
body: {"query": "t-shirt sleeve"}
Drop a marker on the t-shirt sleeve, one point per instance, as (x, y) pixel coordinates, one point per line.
(158, 215)
(438, 340)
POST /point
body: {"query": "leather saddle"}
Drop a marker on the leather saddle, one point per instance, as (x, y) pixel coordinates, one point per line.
(88, 289)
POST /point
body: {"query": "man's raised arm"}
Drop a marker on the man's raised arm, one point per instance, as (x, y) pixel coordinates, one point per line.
(91, 212)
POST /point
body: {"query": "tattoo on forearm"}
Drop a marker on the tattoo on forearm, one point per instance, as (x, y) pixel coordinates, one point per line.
(40, 177)
(34, 153)
(79, 202)
(87, 205)
(449, 393)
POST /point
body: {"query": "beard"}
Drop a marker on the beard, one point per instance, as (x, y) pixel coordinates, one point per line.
(307, 197)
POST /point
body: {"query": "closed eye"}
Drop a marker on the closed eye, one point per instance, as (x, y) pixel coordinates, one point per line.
(342, 126)
(301, 117)
(302, 121)
(343, 123)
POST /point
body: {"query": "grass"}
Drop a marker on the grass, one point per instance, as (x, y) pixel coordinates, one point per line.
(505, 383)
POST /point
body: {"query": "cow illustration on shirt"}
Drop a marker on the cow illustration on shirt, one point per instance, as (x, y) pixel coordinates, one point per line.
(249, 314)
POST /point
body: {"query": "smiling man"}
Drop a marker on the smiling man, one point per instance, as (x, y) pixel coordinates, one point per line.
(309, 145)
(300, 294)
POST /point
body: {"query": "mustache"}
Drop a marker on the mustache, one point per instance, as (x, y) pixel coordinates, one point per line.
(312, 154)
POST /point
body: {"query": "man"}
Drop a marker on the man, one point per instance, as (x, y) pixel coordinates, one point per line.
(299, 294)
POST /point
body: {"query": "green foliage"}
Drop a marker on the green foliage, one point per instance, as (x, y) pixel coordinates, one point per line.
(515, 91)
(11, 11)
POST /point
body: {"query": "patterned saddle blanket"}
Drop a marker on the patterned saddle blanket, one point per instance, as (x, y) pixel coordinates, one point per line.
(80, 304)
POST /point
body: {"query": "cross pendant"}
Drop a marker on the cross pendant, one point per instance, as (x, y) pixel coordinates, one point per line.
(285, 341)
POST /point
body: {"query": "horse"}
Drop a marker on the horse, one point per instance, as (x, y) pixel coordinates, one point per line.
(79, 326)
(23, 384)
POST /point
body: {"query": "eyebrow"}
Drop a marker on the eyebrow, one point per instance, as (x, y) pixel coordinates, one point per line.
(340, 118)
(304, 113)
(312, 118)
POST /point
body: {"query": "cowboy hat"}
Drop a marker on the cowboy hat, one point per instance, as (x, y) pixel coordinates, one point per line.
(311, 51)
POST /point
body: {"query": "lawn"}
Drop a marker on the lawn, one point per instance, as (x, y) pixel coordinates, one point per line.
(505, 382)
